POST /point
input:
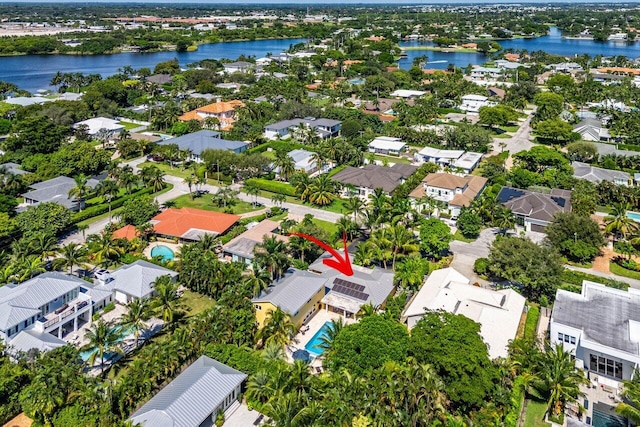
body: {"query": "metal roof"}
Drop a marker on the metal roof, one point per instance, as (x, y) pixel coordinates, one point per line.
(373, 176)
(56, 190)
(30, 339)
(192, 397)
(293, 291)
(595, 174)
(201, 140)
(137, 279)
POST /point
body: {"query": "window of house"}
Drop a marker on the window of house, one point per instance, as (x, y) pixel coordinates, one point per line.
(573, 340)
(605, 366)
(566, 338)
(560, 336)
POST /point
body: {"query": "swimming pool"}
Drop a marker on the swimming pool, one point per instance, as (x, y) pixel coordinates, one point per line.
(124, 333)
(163, 251)
(604, 416)
(313, 345)
(634, 216)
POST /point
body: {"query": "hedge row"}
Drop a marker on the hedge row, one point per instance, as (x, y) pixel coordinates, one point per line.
(272, 186)
(576, 278)
(102, 208)
(517, 398)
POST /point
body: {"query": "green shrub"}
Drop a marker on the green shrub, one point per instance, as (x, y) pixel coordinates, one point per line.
(576, 277)
(102, 208)
(517, 398)
(109, 307)
(272, 186)
(481, 266)
(531, 324)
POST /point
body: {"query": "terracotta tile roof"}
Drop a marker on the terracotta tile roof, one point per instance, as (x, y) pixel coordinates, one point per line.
(445, 180)
(21, 420)
(189, 223)
(191, 115)
(128, 232)
(215, 108)
(618, 70)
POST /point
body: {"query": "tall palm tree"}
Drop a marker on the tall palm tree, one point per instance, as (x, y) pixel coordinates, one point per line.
(278, 328)
(128, 180)
(258, 280)
(355, 205)
(271, 254)
(278, 199)
(347, 227)
(300, 247)
(364, 254)
(167, 301)
(618, 223)
(409, 274)
(332, 331)
(189, 180)
(503, 219)
(401, 241)
(109, 190)
(103, 338)
(252, 190)
(29, 267)
(44, 244)
(104, 249)
(138, 312)
(322, 191)
(285, 164)
(72, 254)
(152, 177)
(630, 406)
(80, 190)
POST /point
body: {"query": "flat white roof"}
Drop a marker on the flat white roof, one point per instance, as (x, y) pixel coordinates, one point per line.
(98, 123)
(440, 154)
(473, 97)
(405, 93)
(468, 160)
(387, 143)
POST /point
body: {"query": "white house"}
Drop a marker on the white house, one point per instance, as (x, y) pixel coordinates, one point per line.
(465, 161)
(303, 160)
(194, 397)
(133, 281)
(597, 175)
(387, 145)
(324, 128)
(497, 312)
(109, 127)
(238, 67)
(473, 103)
(601, 326)
(486, 73)
(407, 94)
(456, 191)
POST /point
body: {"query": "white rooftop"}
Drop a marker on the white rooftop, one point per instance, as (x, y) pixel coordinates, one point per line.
(96, 124)
(440, 154)
(472, 97)
(387, 143)
(405, 93)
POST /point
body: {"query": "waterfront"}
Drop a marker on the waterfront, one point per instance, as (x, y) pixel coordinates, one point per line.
(33, 72)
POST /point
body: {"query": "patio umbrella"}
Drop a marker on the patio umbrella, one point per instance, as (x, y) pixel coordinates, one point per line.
(301, 355)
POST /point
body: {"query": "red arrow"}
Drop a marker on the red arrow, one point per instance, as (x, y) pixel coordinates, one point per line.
(343, 265)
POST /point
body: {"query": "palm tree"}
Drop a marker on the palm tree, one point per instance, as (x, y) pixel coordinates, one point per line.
(364, 254)
(300, 246)
(322, 191)
(109, 190)
(619, 224)
(503, 219)
(138, 312)
(104, 248)
(285, 164)
(80, 190)
(332, 331)
(401, 241)
(252, 190)
(43, 244)
(29, 267)
(410, 273)
(278, 328)
(273, 352)
(258, 280)
(355, 205)
(103, 338)
(630, 407)
(167, 301)
(189, 180)
(153, 177)
(346, 227)
(367, 310)
(128, 180)
(556, 379)
(319, 159)
(271, 254)
(278, 199)
(72, 254)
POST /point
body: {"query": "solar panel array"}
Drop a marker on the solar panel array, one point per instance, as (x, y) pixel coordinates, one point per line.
(350, 289)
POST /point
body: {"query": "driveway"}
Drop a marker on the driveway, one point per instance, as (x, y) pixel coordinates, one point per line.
(465, 254)
(520, 141)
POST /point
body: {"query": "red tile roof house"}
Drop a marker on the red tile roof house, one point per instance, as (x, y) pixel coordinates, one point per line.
(190, 224)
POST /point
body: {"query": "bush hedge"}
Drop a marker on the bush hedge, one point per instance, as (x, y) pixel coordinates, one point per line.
(517, 398)
(272, 186)
(576, 277)
(102, 208)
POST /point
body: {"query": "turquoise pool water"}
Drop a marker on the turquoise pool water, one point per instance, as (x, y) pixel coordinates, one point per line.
(124, 332)
(357, 81)
(604, 416)
(634, 216)
(163, 251)
(313, 346)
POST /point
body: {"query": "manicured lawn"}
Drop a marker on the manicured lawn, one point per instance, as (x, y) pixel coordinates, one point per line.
(535, 413)
(502, 136)
(512, 128)
(532, 321)
(458, 236)
(176, 171)
(621, 271)
(204, 202)
(329, 227)
(392, 159)
(195, 303)
(129, 125)
(337, 206)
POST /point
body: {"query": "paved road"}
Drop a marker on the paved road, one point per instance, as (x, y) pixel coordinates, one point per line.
(520, 141)
(180, 188)
(465, 254)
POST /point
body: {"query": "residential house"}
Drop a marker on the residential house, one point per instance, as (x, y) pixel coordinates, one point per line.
(160, 79)
(223, 111)
(367, 179)
(565, 67)
(407, 94)
(496, 92)
(194, 398)
(238, 67)
(498, 312)
(101, 127)
(600, 326)
(56, 190)
(486, 73)
(464, 161)
(50, 303)
(473, 103)
(384, 105)
(456, 191)
(324, 128)
(591, 129)
(303, 160)
(25, 101)
(597, 175)
(387, 145)
(12, 168)
(134, 281)
(240, 248)
(201, 140)
(533, 210)
(189, 224)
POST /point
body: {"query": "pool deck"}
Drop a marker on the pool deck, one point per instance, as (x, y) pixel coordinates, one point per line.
(315, 324)
(173, 246)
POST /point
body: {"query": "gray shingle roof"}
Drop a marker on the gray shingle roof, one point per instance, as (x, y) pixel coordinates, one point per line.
(190, 398)
(373, 176)
(56, 190)
(136, 279)
(602, 314)
(597, 175)
(535, 205)
(293, 291)
(13, 168)
(20, 302)
(197, 142)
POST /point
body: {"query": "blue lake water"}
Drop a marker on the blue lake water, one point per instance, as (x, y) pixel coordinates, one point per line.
(551, 43)
(33, 72)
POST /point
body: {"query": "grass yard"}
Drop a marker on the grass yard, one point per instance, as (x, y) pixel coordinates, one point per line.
(204, 202)
(535, 413)
(532, 321)
(458, 236)
(327, 226)
(129, 125)
(195, 303)
(392, 159)
(621, 271)
(512, 128)
(337, 206)
(168, 170)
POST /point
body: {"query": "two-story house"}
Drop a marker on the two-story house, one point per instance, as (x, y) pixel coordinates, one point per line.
(324, 128)
(202, 140)
(238, 67)
(387, 145)
(224, 111)
(456, 191)
(362, 182)
(457, 160)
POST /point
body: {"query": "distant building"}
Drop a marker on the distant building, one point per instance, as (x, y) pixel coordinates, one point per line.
(597, 175)
(201, 140)
(240, 248)
(487, 73)
(407, 94)
(223, 111)
(12, 168)
(466, 161)
(533, 210)
(454, 190)
(324, 128)
(498, 312)
(387, 145)
(365, 180)
(194, 398)
(56, 190)
(591, 129)
(109, 127)
(238, 67)
(160, 79)
(303, 160)
(473, 103)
